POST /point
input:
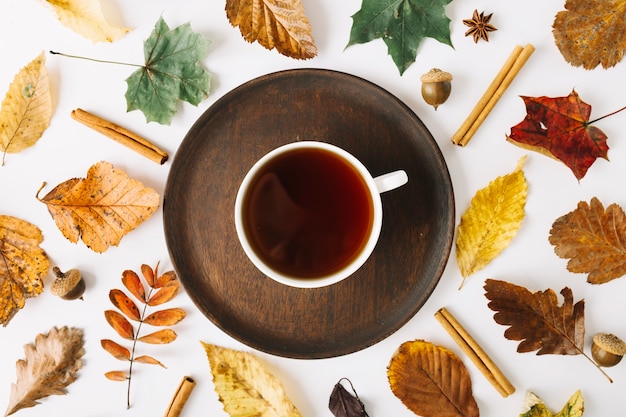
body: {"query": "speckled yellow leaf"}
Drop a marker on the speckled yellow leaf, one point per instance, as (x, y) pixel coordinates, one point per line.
(491, 222)
(101, 208)
(534, 407)
(22, 265)
(85, 18)
(244, 385)
(26, 108)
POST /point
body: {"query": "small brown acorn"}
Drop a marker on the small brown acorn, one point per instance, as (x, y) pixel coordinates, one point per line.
(436, 86)
(607, 349)
(68, 285)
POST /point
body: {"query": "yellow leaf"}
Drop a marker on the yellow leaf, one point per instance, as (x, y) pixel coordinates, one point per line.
(534, 407)
(280, 24)
(491, 222)
(22, 265)
(85, 18)
(101, 208)
(26, 108)
(245, 387)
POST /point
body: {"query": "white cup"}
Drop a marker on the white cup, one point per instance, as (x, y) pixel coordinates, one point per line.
(264, 187)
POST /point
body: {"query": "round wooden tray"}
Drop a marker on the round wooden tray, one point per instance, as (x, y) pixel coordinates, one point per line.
(311, 104)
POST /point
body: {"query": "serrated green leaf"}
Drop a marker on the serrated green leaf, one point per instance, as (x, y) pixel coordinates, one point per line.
(402, 25)
(172, 72)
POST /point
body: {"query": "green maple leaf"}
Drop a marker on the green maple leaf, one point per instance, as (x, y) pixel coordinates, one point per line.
(172, 72)
(402, 25)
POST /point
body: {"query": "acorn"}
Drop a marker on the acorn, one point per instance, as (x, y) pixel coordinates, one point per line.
(607, 349)
(436, 86)
(68, 285)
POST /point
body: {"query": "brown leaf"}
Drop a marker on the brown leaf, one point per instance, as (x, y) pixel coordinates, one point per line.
(167, 317)
(164, 279)
(536, 319)
(149, 360)
(343, 404)
(50, 365)
(280, 24)
(116, 376)
(131, 281)
(101, 208)
(23, 265)
(118, 351)
(149, 274)
(431, 381)
(164, 294)
(125, 304)
(160, 337)
(120, 324)
(594, 240)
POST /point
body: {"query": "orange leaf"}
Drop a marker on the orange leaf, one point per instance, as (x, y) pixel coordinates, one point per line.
(164, 279)
(160, 337)
(118, 351)
(167, 317)
(148, 274)
(164, 294)
(125, 304)
(149, 360)
(116, 376)
(119, 324)
(101, 208)
(131, 280)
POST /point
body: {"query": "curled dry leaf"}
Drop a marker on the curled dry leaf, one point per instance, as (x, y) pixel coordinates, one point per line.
(245, 387)
(23, 265)
(344, 404)
(593, 239)
(26, 109)
(431, 381)
(280, 24)
(49, 366)
(85, 18)
(101, 208)
(491, 222)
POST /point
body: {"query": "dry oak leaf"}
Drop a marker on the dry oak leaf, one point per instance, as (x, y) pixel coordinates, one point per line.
(593, 239)
(280, 24)
(591, 32)
(245, 387)
(491, 222)
(559, 127)
(49, 366)
(23, 263)
(85, 18)
(26, 109)
(101, 208)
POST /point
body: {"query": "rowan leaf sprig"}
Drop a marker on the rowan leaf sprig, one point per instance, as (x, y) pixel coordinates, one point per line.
(160, 289)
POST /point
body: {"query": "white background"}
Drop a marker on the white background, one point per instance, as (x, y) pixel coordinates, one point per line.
(67, 149)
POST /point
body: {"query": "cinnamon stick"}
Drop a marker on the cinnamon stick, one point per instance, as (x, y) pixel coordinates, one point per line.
(477, 355)
(180, 397)
(495, 90)
(121, 135)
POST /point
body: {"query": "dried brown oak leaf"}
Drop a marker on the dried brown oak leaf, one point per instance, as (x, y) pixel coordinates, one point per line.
(101, 208)
(591, 33)
(49, 366)
(280, 24)
(594, 240)
(22, 265)
(431, 381)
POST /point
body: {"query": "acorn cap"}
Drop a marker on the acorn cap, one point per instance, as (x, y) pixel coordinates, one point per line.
(610, 343)
(435, 75)
(65, 283)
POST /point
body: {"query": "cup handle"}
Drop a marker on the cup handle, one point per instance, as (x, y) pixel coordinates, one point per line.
(391, 181)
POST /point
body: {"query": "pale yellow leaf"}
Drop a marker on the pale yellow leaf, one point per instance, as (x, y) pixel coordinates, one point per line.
(26, 108)
(534, 407)
(245, 386)
(85, 18)
(491, 222)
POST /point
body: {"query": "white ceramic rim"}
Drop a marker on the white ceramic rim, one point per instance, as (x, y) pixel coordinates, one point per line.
(327, 279)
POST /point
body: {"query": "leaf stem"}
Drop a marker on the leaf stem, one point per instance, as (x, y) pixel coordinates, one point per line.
(607, 115)
(95, 60)
(132, 352)
(597, 366)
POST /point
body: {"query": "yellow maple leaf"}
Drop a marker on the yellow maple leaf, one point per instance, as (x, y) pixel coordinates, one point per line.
(26, 109)
(280, 24)
(22, 265)
(244, 385)
(85, 18)
(101, 208)
(491, 222)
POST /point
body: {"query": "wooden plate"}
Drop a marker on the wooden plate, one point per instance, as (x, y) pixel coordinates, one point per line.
(311, 104)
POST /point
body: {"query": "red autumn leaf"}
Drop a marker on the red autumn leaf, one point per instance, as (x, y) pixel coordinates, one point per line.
(120, 324)
(559, 127)
(160, 337)
(125, 304)
(168, 317)
(118, 351)
(164, 279)
(116, 376)
(165, 294)
(149, 360)
(148, 274)
(131, 280)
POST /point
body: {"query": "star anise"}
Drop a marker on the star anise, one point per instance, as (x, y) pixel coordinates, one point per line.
(479, 26)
